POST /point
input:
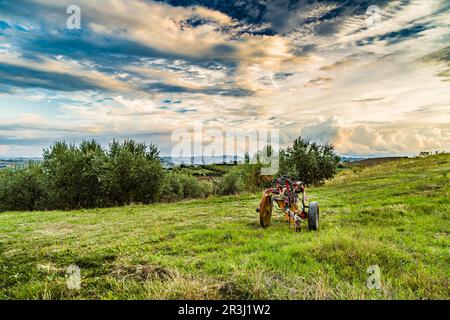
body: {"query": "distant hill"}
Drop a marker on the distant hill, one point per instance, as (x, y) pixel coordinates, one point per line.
(16, 162)
(351, 159)
(374, 161)
(199, 160)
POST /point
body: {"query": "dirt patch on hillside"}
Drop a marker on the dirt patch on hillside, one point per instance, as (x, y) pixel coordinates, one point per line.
(57, 229)
(143, 272)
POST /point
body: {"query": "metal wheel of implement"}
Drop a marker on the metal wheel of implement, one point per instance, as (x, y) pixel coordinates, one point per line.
(265, 211)
(313, 216)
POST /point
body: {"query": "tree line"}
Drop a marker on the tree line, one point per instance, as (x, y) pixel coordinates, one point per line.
(88, 176)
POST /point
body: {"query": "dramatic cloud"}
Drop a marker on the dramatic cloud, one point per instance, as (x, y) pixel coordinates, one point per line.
(371, 77)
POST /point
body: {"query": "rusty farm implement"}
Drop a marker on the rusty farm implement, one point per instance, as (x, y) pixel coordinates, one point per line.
(288, 197)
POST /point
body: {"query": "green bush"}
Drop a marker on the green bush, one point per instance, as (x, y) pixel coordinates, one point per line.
(179, 185)
(309, 162)
(233, 182)
(132, 173)
(172, 189)
(23, 189)
(246, 177)
(194, 188)
(73, 174)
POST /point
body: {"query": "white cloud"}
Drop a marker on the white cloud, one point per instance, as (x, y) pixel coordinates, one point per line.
(376, 139)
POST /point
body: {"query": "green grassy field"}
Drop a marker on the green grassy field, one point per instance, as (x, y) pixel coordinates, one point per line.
(394, 215)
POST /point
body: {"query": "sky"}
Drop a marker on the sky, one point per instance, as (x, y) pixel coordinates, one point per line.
(371, 77)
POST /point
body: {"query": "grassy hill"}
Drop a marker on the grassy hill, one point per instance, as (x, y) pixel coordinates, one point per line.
(395, 215)
(373, 161)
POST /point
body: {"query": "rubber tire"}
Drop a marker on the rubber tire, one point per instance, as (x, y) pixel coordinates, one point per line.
(265, 211)
(313, 216)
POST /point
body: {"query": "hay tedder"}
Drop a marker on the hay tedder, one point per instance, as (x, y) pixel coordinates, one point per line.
(290, 198)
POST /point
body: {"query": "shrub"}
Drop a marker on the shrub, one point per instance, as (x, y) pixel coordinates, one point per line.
(179, 185)
(172, 189)
(23, 189)
(73, 174)
(132, 173)
(194, 188)
(233, 181)
(246, 177)
(309, 162)
(253, 179)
